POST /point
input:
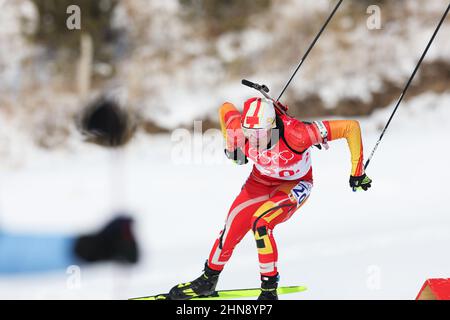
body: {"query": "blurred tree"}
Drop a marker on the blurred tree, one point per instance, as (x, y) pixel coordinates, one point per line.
(366, 3)
(224, 15)
(96, 17)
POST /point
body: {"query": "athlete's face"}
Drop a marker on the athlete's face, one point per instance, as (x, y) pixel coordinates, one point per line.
(258, 138)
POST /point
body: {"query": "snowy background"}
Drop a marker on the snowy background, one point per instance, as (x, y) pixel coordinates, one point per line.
(380, 244)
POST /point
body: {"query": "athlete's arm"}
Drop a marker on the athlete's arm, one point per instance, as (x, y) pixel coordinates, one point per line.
(351, 131)
(302, 135)
(230, 124)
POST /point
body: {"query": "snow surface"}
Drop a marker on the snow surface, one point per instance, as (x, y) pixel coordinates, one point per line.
(380, 244)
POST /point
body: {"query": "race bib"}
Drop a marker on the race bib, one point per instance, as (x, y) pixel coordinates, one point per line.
(301, 192)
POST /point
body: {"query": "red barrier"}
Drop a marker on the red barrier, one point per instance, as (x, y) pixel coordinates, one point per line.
(435, 289)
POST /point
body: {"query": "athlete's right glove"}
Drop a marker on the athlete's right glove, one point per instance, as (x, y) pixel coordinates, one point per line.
(237, 156)
(362, 182)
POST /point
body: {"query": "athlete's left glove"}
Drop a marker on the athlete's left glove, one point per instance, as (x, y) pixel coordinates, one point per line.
(362, 182)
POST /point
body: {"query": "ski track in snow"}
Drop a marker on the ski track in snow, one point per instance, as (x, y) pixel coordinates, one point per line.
(381, 244)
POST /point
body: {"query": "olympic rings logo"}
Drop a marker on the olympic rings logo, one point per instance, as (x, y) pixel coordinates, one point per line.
(267, 156)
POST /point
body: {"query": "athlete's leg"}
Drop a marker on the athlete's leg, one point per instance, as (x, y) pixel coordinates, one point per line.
(238, 223)
(279, 208)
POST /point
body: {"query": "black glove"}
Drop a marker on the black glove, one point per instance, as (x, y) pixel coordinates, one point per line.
(237, 156)
(360, 182)
(114, 242)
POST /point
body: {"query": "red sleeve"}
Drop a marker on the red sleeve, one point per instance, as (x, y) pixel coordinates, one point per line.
(230, 123)
(300, 136)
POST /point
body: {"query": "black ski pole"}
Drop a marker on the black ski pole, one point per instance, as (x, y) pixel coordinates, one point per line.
(309, 49)
(407, 86)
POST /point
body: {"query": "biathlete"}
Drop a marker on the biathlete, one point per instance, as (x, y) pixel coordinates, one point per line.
(280, 183)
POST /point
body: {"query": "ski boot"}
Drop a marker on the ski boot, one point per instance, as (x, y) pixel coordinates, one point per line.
(269, 287)
(115, 242)
(204, 285)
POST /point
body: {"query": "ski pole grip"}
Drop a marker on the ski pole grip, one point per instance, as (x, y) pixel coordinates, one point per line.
(249, 84)
(259, 87)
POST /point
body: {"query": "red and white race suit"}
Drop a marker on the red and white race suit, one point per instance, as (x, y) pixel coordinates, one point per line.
(279, 184)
